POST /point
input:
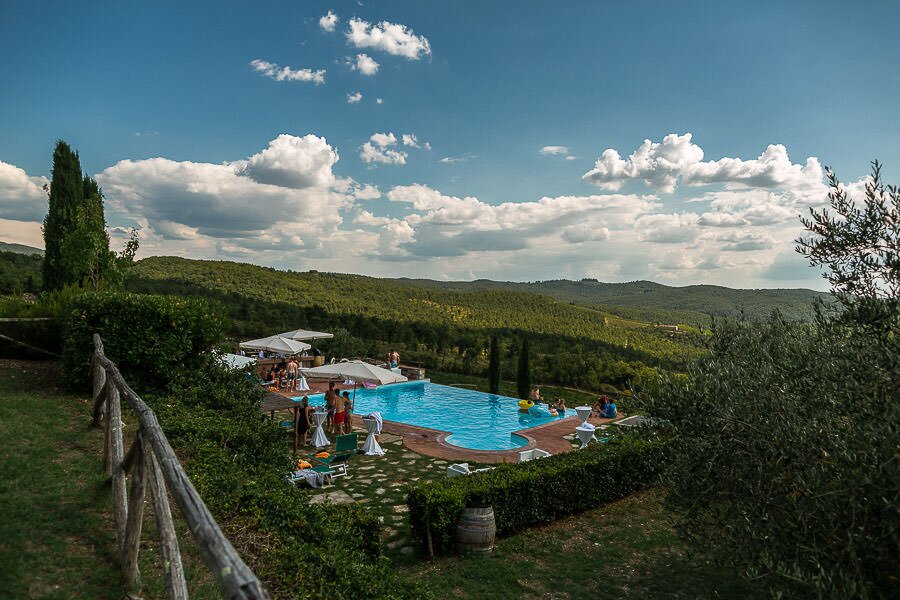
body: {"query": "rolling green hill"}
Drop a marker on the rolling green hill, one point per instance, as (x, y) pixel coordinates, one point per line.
(654, 302)
(447, 329)
(19, 248)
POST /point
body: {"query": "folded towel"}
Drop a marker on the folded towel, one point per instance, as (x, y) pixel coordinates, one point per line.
(587, 426)
(376, 416)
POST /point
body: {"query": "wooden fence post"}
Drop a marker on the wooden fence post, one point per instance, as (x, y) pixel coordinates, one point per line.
(117, 452)
(135, 518)
(176, 586)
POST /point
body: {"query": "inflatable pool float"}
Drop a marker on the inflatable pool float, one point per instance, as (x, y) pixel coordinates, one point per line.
(525, 405)
(539, 410)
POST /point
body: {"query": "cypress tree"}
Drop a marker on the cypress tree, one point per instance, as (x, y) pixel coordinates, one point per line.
(76, 245)
(66, 194)
(494, 367)
(523, 376)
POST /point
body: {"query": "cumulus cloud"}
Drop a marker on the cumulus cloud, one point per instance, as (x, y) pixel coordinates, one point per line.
(454, 226)
(392, 38)
(379, 150)
(293, 162)
(676, 228)
(745, 242)
(410, 140)
(364, 63)
(379, 101)
(554, 150)
(279, 199)
(354, 98)
(22, 197)
(273, 71)
(329, 21)
(662, 165)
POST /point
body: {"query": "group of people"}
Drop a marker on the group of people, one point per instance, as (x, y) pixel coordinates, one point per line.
(557, 408)
(392, 359)
(603, 407)
(284, 376)
(338, 407)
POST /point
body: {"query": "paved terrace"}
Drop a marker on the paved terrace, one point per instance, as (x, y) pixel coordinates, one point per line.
(432, 442)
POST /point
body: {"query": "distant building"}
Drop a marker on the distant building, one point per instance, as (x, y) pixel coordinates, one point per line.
(670, 329)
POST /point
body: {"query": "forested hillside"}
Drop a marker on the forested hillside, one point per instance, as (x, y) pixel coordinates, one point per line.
(654, 302)
(447, 329)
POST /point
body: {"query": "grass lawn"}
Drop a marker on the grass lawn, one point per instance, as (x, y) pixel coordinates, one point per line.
(625, 549)
(57, 536)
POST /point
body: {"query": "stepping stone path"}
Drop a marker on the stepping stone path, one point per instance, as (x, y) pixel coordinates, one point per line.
(380, 491)
(338, 497)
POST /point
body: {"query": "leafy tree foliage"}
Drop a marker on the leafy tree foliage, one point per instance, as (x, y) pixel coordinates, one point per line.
(75, 238)
(787, 435)
(494, 367)
(20, 272)
(523, 374)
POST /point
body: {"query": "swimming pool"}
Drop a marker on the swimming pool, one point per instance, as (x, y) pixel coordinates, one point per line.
(476, 420)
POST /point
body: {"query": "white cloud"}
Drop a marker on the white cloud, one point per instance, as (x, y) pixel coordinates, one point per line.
(293, 162)
(22, 232)
(379, 101)
(392, 38)
(329, 21)
(280, 199)
(554, 150)
(746, 242)
(22, 197)
(378, 150)
(278, 73)
(570, 157)
(365, 64)
(354, 98)
(661, 165)
(676, 228)
(410, 140)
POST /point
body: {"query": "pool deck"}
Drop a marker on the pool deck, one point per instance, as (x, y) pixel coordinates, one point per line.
(432, 442)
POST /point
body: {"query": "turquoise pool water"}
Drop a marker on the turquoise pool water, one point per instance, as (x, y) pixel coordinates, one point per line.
(476, 420)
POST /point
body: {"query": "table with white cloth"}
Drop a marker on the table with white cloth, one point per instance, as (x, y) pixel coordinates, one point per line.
(371, 447)
(319, 440)
(585, 435)
(583, 413)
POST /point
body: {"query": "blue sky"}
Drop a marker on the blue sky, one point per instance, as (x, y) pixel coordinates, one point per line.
(204, 142)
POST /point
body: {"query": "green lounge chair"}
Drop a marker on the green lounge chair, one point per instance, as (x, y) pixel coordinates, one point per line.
(345, 446)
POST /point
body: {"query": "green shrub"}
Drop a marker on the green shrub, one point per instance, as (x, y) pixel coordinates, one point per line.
(238, 463)
(154, 340)
(538, 491)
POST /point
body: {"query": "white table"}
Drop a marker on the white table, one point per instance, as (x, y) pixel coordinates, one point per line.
(319, 440)
(585, 435)
(583, 413)
(371, 447)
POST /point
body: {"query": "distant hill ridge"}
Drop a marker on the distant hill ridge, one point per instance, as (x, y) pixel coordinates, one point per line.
(638, 300)
(19, 248)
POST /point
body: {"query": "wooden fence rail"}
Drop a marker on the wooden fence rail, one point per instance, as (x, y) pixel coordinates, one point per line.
(152, 464)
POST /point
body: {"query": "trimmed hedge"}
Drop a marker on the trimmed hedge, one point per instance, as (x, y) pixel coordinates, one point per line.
(538, 491)
(152, 339)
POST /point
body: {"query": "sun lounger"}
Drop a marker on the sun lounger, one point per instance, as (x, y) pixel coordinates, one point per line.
(463, 469)
(345, 446)
(533, 454)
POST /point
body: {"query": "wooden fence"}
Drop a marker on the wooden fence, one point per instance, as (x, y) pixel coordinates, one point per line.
(150, 462)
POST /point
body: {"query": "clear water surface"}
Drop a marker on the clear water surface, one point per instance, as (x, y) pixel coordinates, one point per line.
(476, 420)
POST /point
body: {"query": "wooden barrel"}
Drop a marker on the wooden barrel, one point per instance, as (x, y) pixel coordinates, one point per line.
(476, 530)
(318, 361)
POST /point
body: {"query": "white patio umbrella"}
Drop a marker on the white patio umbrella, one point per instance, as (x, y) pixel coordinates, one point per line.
(236, 361)
(355, 370)
(305, 334)
(276, 343)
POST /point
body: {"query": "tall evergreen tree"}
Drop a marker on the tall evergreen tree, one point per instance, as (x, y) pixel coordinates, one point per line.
(75, 239)
(66, 194)
(523, 375)
(494, 367)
